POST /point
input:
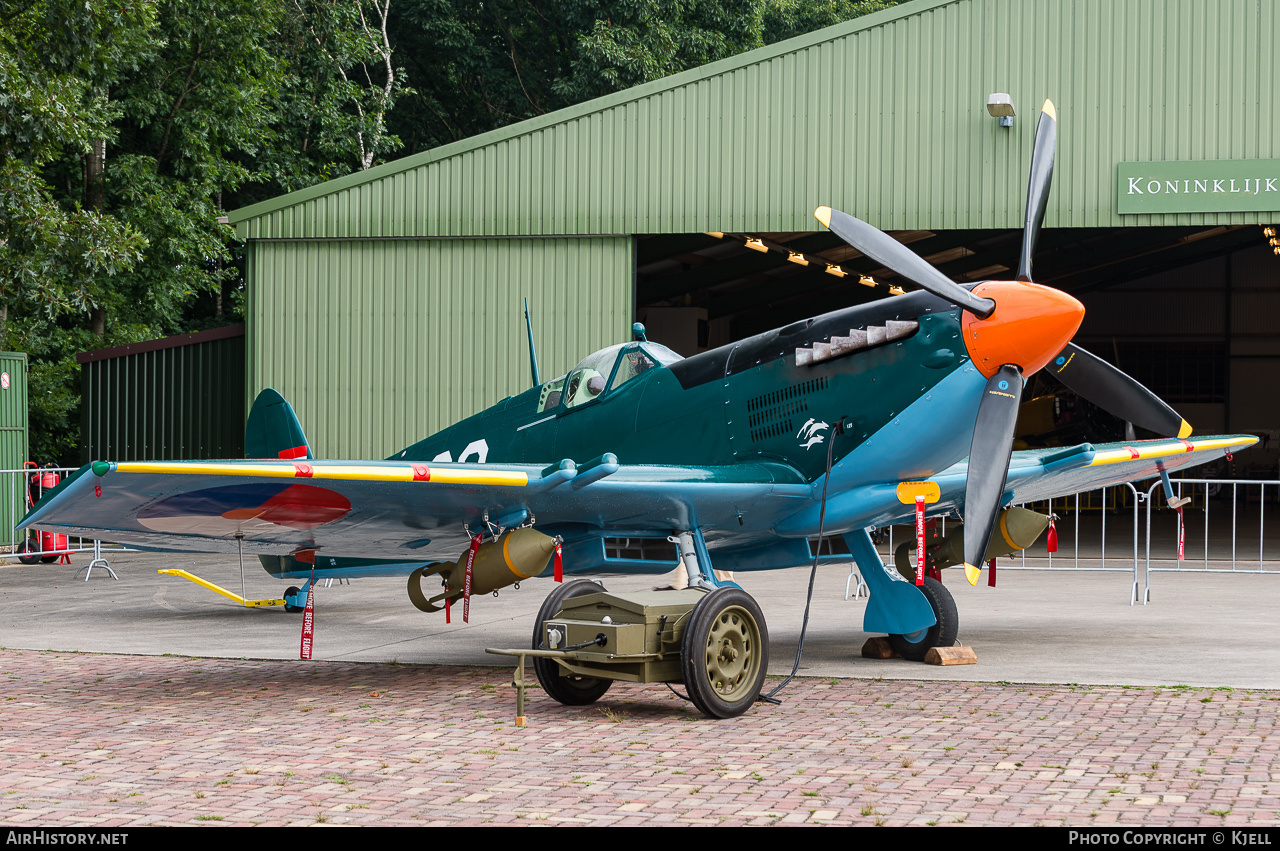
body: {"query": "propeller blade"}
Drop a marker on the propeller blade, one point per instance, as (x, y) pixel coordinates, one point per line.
(989, 463)
(1038, 185)
(1113, 391)
(890, 253)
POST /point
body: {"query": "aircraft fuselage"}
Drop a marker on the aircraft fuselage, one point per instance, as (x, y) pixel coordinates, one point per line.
(745, 402)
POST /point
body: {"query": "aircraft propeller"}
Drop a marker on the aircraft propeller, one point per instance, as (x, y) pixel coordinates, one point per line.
(1012, 329)
(886, 250)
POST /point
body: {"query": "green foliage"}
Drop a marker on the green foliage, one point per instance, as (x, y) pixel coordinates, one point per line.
(337, 83)
(784, 19)
(56, 61)
(481, 64)
(642, 40)
(127, 129)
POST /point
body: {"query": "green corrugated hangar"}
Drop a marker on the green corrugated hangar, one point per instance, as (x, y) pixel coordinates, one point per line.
(388, 304)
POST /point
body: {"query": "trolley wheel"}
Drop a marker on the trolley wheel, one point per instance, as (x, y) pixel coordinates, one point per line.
(725, 653)
(289, 592)
(571, 690)
(942, 634)
(25, 546)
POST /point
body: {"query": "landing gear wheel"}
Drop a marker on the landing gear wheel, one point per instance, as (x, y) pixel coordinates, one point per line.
(24, 546)
(289, 592)
(941, 634)
(571, 690)
(725, 653)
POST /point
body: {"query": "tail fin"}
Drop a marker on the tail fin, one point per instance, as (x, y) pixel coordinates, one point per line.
(273, 430)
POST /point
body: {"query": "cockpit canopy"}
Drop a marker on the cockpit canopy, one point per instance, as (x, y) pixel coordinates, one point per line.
(602, 371)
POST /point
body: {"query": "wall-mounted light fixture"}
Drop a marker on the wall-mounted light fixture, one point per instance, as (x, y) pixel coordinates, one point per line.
(1000, 105)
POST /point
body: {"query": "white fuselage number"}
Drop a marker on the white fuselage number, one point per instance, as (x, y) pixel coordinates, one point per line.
(476, 449)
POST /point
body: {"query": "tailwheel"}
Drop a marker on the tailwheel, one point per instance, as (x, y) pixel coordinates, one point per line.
(725, 653)
(570, 690)
(942, 634)
(290, 592)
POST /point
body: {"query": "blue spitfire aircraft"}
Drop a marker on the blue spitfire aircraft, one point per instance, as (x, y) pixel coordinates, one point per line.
(739, 455)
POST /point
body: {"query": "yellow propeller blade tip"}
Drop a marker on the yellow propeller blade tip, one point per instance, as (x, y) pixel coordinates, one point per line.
(1185, 431)
(823, 214)
(1049, 110)
(971, 573)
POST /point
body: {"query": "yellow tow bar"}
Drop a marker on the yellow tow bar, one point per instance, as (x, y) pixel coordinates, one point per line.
(224, 592)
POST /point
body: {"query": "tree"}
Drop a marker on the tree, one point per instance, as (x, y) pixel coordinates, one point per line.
(58, 248)
(481, 64)
(126, 130)
(349, 35)
(57, 61)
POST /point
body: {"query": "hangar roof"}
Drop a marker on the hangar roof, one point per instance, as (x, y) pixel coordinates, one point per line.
(883, 116)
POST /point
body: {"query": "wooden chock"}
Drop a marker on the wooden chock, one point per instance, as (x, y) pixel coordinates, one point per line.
(878, 647)
(951, 656)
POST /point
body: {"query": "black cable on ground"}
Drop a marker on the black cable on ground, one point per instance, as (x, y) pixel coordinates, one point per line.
(836, 429)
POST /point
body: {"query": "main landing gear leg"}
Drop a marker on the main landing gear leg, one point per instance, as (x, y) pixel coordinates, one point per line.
(697, 562)
(915, 618)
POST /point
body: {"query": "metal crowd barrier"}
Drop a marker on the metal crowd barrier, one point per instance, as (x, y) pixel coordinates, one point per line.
(1105, 501)
(1067, 512)
(28, 543)
(1222, 543)
(1220, 550)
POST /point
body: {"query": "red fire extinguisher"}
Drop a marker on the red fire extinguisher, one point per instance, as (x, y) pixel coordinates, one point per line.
(45, 546)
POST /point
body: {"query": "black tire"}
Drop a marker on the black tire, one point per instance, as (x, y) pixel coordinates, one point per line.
(289, 592)
(941, 634)
(725, 653)
(567, 690)
(24, 546)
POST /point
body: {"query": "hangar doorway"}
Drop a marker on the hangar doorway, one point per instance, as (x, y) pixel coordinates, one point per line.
(1184, 310)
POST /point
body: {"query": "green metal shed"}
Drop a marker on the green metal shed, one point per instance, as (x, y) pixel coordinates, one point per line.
(385, 304)
(13, 442)
(177, 397)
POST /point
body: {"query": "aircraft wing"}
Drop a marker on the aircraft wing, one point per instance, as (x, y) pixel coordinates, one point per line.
(418, 512)
(1040, 474)
(389, 509)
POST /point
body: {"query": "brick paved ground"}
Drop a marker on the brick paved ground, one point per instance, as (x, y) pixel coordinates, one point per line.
(105, 740)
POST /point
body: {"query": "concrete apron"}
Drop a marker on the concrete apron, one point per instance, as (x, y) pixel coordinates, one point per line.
(1034, 627)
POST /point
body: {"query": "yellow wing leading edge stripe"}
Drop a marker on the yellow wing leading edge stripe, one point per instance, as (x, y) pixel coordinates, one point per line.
(1167, 449)
(355, 472)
